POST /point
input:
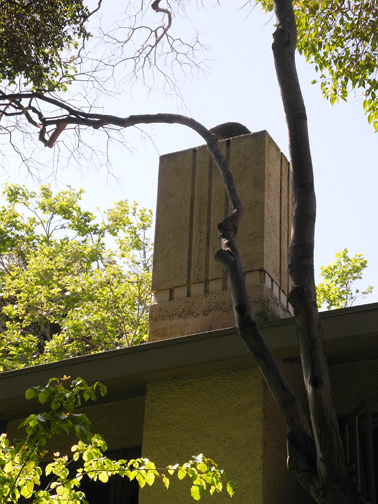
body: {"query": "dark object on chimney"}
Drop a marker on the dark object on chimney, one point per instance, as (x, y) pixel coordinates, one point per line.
(229, 130)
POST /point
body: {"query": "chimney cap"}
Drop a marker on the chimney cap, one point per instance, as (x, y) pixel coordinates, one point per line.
(229, 129)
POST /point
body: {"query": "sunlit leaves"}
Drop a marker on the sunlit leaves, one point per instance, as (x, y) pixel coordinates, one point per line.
(20, 466)
(70, 284)
(341, 39)
(62, 399)
(205, 476)
(34, 35)
(337, 289)
(20, 470)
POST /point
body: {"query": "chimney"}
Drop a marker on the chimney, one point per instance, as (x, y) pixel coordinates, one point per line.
(189, 285)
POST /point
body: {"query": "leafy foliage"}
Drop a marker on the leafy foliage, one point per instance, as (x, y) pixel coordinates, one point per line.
(336, 291)
(21, 470)
(204, 474)
(37, 37)
(341, 39)
(63, 292)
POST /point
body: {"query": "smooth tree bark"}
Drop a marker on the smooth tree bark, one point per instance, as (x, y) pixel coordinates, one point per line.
(315, 455)
(329, 480)
(315, 452)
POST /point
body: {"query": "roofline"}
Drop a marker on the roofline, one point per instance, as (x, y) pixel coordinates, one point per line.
(350, 334)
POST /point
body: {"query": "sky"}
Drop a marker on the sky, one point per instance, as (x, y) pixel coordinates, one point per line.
(239, 85)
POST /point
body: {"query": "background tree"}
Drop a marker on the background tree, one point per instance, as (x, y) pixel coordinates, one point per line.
(340, 38)
(337, 289)
(69, 284)
(41, 41)
(315, 451)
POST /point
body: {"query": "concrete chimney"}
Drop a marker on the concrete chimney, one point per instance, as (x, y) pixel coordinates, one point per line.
(189, 285)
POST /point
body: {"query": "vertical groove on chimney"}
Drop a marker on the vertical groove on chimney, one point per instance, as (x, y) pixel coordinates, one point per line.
(208, 225)
(191, 201)
(228, 158)
(280, 224)
(226, 208)
(288, 203)
(191, 222)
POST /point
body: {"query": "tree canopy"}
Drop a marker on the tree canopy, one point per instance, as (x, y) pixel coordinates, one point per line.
(41, 41)
(70, 284)
(336, 291)
(340, 38)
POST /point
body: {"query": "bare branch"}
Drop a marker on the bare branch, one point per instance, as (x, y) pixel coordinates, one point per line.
(144, 48)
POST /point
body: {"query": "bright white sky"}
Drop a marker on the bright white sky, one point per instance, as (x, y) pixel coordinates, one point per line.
(241, 86)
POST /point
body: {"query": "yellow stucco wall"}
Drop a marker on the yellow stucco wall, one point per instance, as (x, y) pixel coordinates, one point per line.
(281, 486)
(219, 414)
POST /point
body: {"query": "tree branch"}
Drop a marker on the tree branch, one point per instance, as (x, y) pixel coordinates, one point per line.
(229, 255)
(331, 475)
(317, 461)
(301, 451)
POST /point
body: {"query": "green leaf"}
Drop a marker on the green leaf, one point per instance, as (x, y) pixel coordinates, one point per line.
(140, 477)
(166, 481)
(30, 393)
(103, 477)
(27, 489)
(43, 397)
(195, 492)
(231, 488)
(149, 465)
(54, 405)
(181, 473)
(202, 467)
(150, 478)
(70, 406)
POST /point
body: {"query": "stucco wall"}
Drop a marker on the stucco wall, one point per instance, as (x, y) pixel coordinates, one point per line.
(219, 414)
(281, 486)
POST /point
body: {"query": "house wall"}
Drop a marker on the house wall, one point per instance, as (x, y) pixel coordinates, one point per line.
(219, 414)
(230, 416)
(120, 424)
(352, 383)
(281, 486)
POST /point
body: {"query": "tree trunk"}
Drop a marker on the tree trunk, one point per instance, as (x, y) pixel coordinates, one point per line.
(315, 452)
(330, 482)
